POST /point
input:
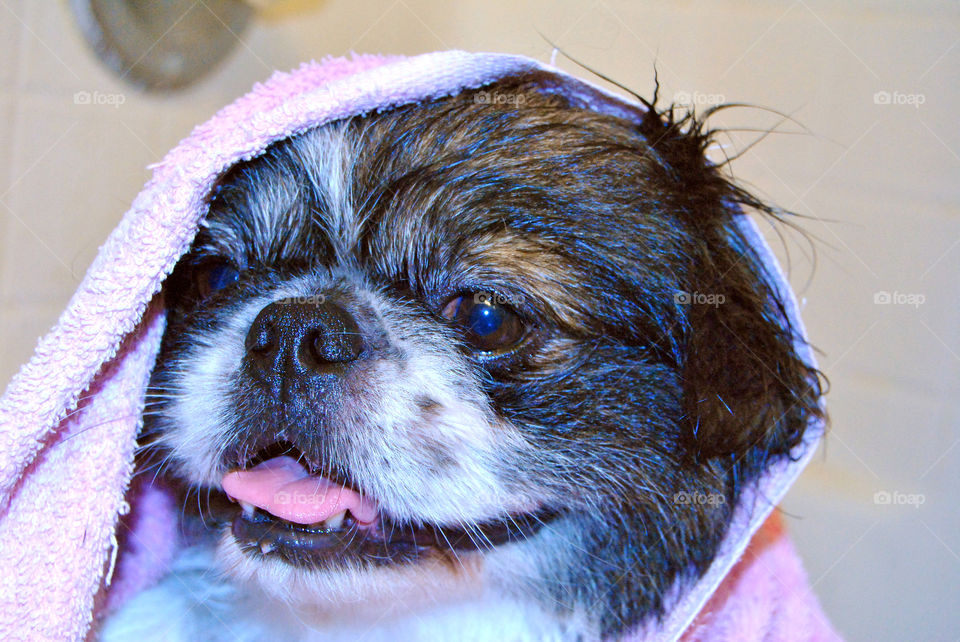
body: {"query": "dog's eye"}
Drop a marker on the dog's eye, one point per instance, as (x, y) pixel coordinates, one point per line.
(489, 325)
(213, 275)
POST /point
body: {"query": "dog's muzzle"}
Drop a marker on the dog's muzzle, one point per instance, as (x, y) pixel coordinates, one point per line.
(296, 502)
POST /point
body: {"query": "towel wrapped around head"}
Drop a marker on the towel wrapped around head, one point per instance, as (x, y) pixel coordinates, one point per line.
(70, 417)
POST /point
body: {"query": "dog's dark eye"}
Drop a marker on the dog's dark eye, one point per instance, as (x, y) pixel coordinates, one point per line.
(490, 326)
(214, 275)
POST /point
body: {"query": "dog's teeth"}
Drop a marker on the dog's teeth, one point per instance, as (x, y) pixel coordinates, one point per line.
(335, 521)
(247, 509)
(265, 547)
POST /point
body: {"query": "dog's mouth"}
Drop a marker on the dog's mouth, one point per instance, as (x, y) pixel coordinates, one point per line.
(306, 519)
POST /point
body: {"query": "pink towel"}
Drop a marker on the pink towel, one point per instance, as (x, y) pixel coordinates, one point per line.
(69, 419)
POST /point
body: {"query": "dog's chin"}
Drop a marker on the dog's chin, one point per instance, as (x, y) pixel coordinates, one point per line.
(484, 595)
(349, 583)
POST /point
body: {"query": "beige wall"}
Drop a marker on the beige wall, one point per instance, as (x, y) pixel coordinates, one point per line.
(879, 183)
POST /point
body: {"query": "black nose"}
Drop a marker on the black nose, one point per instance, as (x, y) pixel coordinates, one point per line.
(302, 339)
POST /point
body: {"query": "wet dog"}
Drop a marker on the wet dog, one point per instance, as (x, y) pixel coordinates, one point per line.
(468, 369)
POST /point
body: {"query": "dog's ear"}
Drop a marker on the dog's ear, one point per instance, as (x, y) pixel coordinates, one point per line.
(747, 395)
(746, 392)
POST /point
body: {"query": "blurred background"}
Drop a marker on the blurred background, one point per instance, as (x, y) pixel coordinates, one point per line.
(870, 159)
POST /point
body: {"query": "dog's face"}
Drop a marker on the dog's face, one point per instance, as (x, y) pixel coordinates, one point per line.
(514, 343)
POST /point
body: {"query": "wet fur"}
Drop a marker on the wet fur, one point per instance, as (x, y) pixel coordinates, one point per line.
(625, 399)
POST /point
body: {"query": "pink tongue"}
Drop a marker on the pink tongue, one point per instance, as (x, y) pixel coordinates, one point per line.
(283, 488)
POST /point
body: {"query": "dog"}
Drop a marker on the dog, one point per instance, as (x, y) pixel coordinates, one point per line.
(466, 369)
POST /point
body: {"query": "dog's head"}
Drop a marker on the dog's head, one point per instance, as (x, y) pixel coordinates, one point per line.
(509, 341)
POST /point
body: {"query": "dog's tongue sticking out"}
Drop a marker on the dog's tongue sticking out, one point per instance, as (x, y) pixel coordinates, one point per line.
(283, 488)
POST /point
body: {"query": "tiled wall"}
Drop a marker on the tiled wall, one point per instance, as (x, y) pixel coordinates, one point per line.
(878, 184)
